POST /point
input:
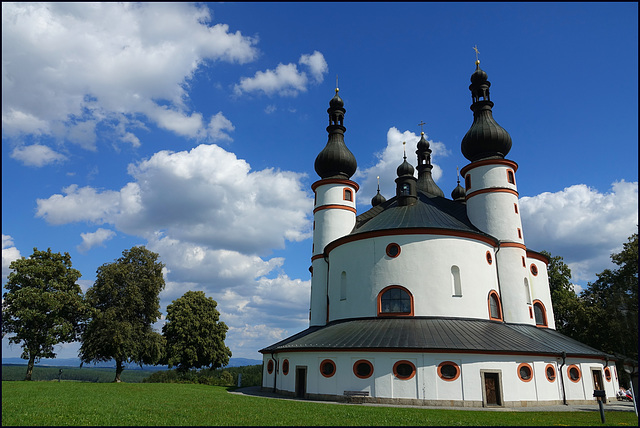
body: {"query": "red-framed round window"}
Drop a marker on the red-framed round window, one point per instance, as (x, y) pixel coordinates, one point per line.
(363, 369)
(449, 371)
(534, 269)
(607, 374)
(327, 368)
(489, 257)
(404, 370)
(550, 372)
(393, 250)
(525, 372)
(285, 367)
(574, 373)
(270, 367)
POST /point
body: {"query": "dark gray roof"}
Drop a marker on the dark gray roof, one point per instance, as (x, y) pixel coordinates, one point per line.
(430, 334)
(427, 212)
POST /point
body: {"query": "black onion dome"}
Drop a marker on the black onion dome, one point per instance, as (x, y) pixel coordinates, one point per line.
(458, 193)
(405, 168)
(377, 199)
(485, 139)
(423, 144)
(336, 160)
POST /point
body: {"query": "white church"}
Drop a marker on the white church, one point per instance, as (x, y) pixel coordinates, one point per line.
(427, 300)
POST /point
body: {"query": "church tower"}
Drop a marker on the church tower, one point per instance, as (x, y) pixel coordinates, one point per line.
(492, 199)
(334, 213)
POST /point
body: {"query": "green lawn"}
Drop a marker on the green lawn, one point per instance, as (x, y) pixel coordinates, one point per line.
(79, 403)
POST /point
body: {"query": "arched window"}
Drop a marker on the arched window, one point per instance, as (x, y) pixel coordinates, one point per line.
(540, 313)
(467, 181)
(550, 372)
(343, 286)
(495, 311)
(511, 177)
(285, 367)
(363, 369)
(525, 372)
(449, 371)
(404, 370)
(327, 368)
(455, 281)
(395, 300)
(270, 367)
(527, 292)
(347, 195)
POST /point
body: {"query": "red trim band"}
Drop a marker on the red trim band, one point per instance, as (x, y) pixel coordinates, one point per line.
(319, 183)
(491, 190)
(535, 255)
(340, 207)
(472, 165)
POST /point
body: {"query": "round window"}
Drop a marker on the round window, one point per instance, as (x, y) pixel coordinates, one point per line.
(393, 250)
(525, 372)
(574, 373)
(285, 367)
(448, 371)
(607, 374)
(534, 269)
(404, 370)
(363, 369)
(550, 371)
(489, 258)
(327, 368)
(270, 366)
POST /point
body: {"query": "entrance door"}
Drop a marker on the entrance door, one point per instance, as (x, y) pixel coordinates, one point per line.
(596, 375)
(301, 382)
(492, 389)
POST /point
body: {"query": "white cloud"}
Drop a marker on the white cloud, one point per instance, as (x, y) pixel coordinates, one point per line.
(317, 65)
(69, 66)
(205, 196)
(9, 254)
(581, 224)
(37, 155)
(285, 80)
(387, 162)
(97, 238)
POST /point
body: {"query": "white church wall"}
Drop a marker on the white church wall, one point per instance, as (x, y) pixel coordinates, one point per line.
(423, 267)
(333, 193)
(540, 288)
(331, 224)
(494, 213)
(318, 297)
(515, 295)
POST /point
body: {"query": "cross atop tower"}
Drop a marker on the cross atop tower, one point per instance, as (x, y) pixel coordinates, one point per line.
(475, 48)
(421, 124)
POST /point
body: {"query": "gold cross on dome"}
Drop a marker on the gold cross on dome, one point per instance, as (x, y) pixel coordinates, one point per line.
(421, 124)
(475, 48)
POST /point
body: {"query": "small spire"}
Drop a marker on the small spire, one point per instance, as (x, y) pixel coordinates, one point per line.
(337, 87)
(421, 124)
(404, 149)
(458, 174)
(378, 177)
(475, 48)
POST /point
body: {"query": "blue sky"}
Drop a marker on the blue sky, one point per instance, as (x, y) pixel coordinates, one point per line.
(193, 129)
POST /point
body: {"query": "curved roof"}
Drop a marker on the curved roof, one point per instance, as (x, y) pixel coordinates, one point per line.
(427, 212)
(429, 334)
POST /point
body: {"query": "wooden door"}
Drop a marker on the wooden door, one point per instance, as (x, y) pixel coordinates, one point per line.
(301, 382)
(492, 389)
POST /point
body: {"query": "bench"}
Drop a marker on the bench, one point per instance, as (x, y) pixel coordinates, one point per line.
(356, 393)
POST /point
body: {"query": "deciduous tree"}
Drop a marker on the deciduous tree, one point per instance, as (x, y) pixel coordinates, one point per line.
(43, 305)
(126, 303)
(194, 333)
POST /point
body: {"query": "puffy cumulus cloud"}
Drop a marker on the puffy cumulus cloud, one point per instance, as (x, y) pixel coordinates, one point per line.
(206, 196)
(37, 155)
(69, 66)
(582, 225)
(388, 160)
(286, 79)
(9, 254)
(97, 238)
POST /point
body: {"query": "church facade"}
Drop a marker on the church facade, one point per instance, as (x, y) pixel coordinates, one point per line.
(428, 300)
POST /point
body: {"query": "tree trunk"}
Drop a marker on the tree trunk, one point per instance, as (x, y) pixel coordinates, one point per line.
(32, 358)
(119, 369)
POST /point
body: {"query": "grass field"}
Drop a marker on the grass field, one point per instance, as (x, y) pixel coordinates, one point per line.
(84, 374)
(158, 404)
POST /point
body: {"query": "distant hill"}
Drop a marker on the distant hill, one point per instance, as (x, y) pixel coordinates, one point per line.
(75, 362)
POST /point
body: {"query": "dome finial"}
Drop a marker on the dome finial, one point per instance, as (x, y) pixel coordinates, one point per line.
(378, 177)
(404, 149)
(337, 84)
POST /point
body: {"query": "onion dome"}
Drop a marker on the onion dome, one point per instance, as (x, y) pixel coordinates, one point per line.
(405, 168)
(378, 198)
(485, 139)
(336, 160)
(458, 193)
(425, 179)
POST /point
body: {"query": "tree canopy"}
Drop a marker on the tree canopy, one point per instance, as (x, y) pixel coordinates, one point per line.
(193, 333)
(43, 305)
(126, 304)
